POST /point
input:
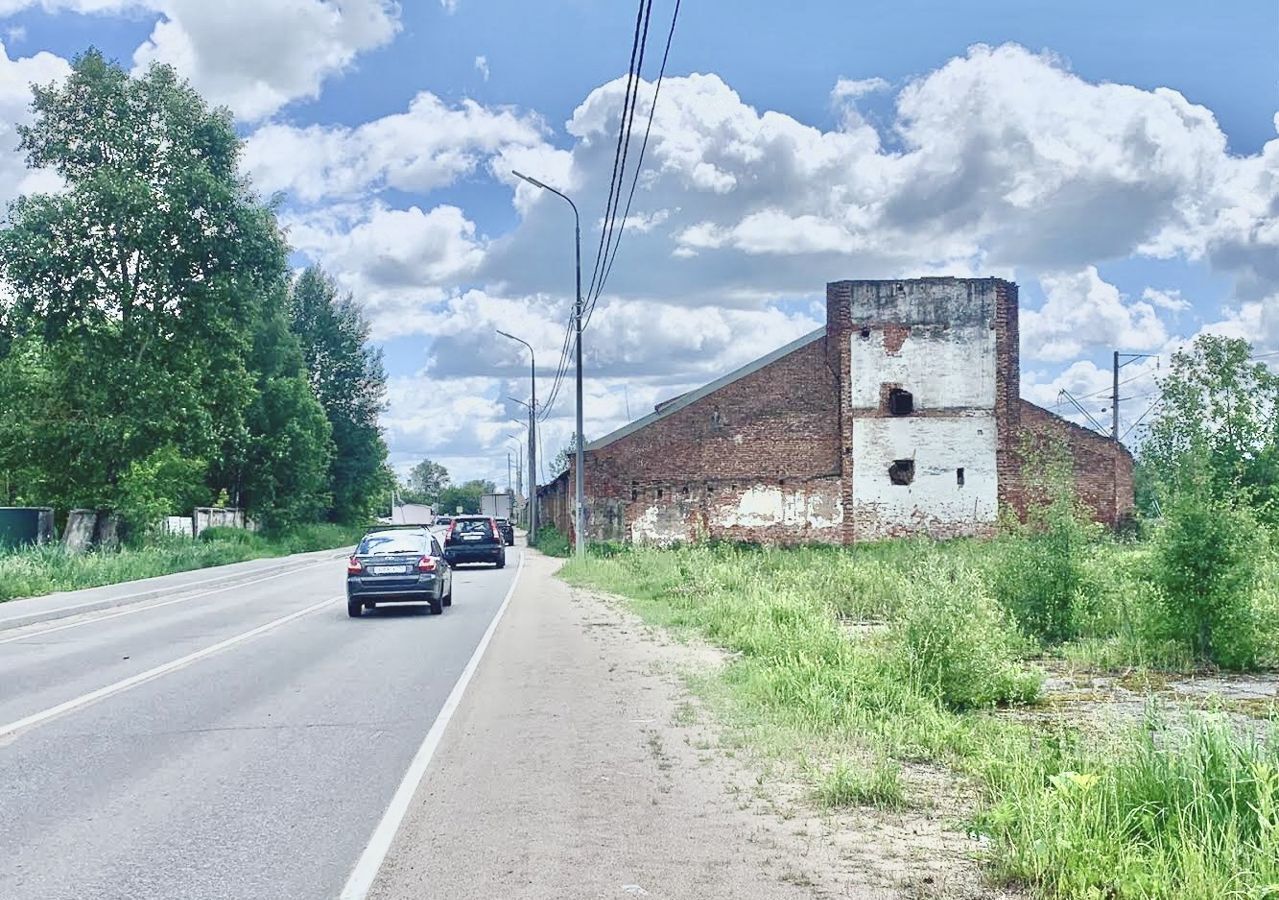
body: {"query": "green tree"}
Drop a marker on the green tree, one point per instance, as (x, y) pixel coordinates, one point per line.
(286, 466)
(466, 495)
(348, 379)
(427, 482)
(149, 327)
(563, 459)
(1216, 426)
(132, 286)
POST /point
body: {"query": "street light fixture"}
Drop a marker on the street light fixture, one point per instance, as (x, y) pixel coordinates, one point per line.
(532, 436)
(579, 499)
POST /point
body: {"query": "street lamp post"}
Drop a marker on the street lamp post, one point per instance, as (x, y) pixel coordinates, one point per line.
(532, 436)
(580, 491)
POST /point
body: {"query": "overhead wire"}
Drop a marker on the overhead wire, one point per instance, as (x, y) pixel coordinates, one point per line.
(639, 163)
(623, 136)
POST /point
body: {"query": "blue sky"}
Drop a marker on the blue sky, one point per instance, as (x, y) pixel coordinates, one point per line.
(1119, 160)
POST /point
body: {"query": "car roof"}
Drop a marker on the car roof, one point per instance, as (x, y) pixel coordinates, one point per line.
(378, 532)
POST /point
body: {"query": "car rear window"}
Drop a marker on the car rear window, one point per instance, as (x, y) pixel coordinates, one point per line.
(391, 543)
(472, 526)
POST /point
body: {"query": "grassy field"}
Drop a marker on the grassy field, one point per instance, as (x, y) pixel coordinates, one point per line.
(43, 570)
(853, 662)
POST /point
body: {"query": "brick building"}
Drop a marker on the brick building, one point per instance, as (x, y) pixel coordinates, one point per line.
(901, 416)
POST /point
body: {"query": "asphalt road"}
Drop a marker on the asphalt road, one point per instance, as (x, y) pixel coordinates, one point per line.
(239, 743)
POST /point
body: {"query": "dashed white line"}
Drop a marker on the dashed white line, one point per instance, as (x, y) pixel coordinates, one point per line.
(137, 609)
(39, 718)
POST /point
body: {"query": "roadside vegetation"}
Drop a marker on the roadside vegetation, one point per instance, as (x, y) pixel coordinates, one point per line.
(856, 663)
(36, 571)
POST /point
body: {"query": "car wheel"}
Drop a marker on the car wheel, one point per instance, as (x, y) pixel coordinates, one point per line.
(437, 606)
(354, 608)
(448, 598)
(501, 561)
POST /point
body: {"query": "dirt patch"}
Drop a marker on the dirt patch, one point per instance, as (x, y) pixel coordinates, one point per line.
(919, 852)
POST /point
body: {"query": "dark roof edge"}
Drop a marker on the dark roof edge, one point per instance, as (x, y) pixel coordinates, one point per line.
(684, 400)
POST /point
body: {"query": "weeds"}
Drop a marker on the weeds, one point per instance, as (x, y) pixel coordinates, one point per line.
(847, 786)
(1158, 812)
(42, 570)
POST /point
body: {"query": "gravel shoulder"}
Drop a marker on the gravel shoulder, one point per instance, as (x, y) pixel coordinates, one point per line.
(580, 765)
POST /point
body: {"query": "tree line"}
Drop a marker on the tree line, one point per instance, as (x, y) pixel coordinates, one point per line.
(156, 351)
(430, 483)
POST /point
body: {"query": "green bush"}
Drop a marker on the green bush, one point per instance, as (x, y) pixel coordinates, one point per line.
(954, 643)
(553, 542)
(1207, 562)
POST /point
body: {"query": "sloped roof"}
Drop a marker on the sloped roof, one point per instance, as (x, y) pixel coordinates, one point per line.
(670, 407)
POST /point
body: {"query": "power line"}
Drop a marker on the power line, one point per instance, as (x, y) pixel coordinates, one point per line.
(1149, 410)
(639, 163)
(615, 182)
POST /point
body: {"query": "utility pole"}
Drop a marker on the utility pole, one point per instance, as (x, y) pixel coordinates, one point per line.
(1121, 359)
(579, 518)
(1114, 402)
(508, 470)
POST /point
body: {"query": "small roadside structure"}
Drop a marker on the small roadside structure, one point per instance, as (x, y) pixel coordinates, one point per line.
(22, 526)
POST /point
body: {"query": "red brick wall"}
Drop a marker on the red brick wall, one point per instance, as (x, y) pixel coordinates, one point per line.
(774, 427)
(1103, 469)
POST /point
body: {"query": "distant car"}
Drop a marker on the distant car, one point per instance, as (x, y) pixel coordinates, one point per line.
(474, 539)
(508, 531)
(443, 521)
(398, 565)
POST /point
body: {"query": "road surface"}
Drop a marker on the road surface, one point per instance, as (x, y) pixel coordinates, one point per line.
(239, 743)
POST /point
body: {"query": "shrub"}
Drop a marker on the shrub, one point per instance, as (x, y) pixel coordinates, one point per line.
(954, 643)
(553, 542)
(1207, 562)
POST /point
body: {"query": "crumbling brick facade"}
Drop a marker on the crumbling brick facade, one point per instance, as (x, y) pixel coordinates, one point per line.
(901, 416)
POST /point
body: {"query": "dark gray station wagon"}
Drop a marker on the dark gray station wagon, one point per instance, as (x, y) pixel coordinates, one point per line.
(398, 566)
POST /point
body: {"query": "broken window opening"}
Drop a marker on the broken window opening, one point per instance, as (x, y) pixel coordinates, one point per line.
(900, 402)
(634, 491)
(959, 477)
(659, 493)
(865, 334)
(902, 471)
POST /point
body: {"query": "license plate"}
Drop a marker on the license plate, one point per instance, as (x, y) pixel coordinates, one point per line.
(390, 570)
(472, 537)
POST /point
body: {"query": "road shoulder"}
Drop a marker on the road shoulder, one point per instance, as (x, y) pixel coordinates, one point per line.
(578, 765)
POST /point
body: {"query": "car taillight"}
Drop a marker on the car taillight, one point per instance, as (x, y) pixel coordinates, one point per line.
(354, 566)
(449, 533)
(493, 522)
(426, 564)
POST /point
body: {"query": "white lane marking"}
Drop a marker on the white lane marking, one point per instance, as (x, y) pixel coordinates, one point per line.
(134, 680)
(125, 598)
(366, 868)
(137, 609)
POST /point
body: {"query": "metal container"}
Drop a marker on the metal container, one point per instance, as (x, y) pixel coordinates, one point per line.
(21, 526)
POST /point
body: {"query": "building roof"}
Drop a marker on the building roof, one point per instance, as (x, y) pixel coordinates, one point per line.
(670, 407)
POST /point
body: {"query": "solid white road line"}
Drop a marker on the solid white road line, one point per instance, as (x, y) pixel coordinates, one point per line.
(137, 609)
(366, 868)
(133, 681)
(126, 597)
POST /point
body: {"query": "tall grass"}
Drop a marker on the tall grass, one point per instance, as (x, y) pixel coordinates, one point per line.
(1156, 812)
(43, 570)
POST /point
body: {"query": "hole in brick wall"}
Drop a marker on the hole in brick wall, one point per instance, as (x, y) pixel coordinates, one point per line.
(659, 493)
(902, 471)
(634, 494)
(901, 288)
(959, 477)
(865, 334)
(900, 402)
(686, 491)
(734, 487)
(781, 482)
